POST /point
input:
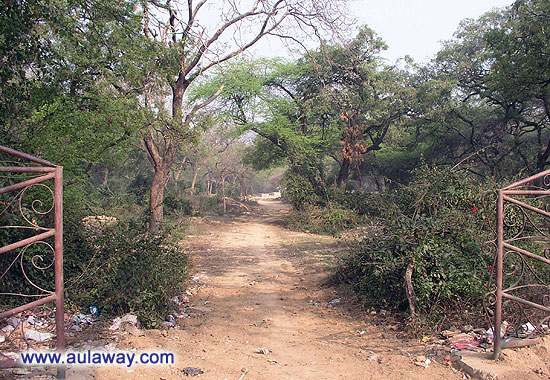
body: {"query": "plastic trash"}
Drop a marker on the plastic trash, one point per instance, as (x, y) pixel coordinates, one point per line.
(13, 321)
(262, 350)
(38, 336)
(128, 318)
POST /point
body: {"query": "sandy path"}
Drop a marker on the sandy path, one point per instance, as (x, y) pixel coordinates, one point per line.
(261, 286)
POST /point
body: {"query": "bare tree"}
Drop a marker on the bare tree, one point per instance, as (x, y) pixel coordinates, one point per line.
(191, 43)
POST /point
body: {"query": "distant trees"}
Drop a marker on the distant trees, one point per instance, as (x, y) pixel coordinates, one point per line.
(335, 103)
(356, 96)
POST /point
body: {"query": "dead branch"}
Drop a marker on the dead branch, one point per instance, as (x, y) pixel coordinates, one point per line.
(409, 289)
(237, 202)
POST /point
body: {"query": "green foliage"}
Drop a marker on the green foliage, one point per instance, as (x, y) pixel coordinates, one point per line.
(129, 271)
(208, 203)
(176, 204)
(299, 191)
(323, 220)
(436, 224)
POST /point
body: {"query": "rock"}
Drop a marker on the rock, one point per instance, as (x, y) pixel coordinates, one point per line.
(192, 371)
(8, 329)
(373, 357)
(133, 330)
(335, 301)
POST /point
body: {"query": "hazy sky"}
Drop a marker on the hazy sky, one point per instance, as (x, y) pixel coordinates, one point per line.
(415, 27)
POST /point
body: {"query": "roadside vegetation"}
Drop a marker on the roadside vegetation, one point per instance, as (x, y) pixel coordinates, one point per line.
(152, 125)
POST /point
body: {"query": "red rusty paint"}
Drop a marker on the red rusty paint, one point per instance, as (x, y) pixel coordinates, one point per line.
(51, 172)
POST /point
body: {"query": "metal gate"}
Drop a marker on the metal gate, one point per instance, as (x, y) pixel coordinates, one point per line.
(519, 301)
(21, 173)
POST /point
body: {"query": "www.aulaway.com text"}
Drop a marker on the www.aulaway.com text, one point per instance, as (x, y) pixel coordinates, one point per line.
(96, 358)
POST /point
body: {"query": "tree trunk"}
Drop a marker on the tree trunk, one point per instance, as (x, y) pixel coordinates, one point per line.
(409, 290)
(156, 204)
(195, 174)
(343, 174)
(162, 165)
(177, 175)
(105, 176)
(163, 161)
(223, 195)
(360, 177)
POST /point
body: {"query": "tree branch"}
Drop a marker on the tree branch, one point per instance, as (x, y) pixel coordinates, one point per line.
(152, 149)
(203, 104)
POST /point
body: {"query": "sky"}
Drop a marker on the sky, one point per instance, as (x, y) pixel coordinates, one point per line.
(416, 27)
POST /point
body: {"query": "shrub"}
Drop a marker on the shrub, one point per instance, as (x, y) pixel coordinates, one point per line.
(323, 220)
(437, 225)
(131, 271)
(299, 191)
(208, 203)
(448, 265)
(174, 204)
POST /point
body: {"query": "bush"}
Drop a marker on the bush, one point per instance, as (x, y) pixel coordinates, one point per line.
(436, 225)
(449, 267)
(299, 191)
(208, 203)
(174, 204)
(323, 220)
(131, 271)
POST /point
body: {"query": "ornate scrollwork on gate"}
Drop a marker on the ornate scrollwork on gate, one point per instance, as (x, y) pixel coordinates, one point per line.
(31, 232)
(518, 302)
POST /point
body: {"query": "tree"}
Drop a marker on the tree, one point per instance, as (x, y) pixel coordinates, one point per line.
(501, 102)
(184, 49)
(61, 96)
(349, 90)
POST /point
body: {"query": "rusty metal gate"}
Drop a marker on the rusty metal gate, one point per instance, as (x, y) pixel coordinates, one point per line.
(519, 301)
(20, 173)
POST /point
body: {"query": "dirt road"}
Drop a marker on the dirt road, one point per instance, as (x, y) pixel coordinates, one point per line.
(260, 286)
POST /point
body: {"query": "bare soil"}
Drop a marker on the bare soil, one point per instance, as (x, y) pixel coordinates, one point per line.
(260, 286)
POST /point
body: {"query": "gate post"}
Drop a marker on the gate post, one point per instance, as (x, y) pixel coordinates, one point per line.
(499, 267)
(58, 270)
